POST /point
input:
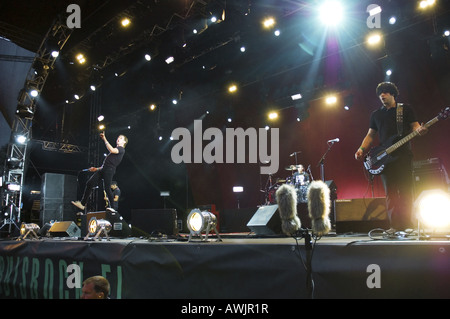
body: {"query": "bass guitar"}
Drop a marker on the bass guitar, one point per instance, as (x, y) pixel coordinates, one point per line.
(379, 156)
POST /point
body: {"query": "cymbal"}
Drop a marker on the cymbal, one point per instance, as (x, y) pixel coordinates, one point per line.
(281, 181)
(291, 168)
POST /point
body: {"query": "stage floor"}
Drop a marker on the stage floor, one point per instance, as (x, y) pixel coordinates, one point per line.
(241, 266)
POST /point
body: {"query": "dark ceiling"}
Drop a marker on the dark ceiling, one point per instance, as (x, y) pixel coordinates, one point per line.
(272, 68)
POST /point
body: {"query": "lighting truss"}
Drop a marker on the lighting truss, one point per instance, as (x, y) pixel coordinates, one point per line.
(60, 33)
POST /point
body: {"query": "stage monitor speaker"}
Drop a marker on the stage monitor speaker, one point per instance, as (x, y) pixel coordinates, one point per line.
(361, 214)
(153, 222)
(266, 221)
(64, 229)
(57, 192)
(120, 227)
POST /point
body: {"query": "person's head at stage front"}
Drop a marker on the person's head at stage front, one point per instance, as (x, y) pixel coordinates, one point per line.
(122, 140)
(300, 169)
(95, 287)
(114, 185)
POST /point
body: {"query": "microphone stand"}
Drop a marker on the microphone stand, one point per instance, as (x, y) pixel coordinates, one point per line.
(304, 233)
(322, 160)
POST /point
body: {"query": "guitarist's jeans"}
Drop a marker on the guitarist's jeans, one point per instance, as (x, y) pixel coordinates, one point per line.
(106, 174)
(398, 185)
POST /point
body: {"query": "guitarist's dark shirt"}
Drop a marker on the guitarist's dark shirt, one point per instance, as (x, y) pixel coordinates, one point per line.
(384, 122)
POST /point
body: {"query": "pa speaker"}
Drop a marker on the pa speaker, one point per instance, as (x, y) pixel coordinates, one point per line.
(266, 221)
(64, 229)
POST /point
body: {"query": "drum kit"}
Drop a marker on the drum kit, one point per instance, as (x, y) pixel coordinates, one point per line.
(299, 178)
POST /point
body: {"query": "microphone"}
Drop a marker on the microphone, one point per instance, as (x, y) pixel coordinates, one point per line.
(286, 197)
(333, 140)
(85, 170)
(319, 204)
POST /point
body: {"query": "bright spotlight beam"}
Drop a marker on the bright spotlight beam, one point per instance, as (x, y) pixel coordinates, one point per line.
(331, 12)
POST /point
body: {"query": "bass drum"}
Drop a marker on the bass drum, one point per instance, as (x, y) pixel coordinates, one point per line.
(302, 194)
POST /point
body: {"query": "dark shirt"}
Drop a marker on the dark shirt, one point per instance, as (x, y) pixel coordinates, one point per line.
(384, 121)
(113, 160)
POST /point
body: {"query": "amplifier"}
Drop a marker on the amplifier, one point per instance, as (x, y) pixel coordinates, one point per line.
(361, 214)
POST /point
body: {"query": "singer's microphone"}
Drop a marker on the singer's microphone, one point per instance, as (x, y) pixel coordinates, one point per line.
(333, 140)
(319, 204)
(85, 170)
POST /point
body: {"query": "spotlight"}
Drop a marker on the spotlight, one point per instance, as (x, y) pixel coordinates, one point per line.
(331, 12)
(269, 23)
(199, 222)
(232, 88)
(29, 229)
(330, 100)
(297, 96)
(12, 187)
(273, 115)
(81, 58)
(14, 163)
(432, 209)
(374, 39)
(125, 22)
(98, 227)
(100, 118)
(170, 59)
(24, 111)
(21, 139)
(148, 57)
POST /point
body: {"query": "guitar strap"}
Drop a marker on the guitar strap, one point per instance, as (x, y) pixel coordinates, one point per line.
(400, 119)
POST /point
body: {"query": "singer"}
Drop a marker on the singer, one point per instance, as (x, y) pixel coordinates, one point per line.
(397, 176)
(105, 172)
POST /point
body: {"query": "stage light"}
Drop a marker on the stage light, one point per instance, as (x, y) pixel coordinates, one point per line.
(101, 127)
(24, 111)
(100, 118)
(297, 96)
(170, 59)
(373, 39)
(97, 228)
(446, 33)
(331, 12)
(232, 88)
(199, 222)
(392, 20)
(76, 96)
(14, 163)
(375, 10)
(152, 107)
(432, 209)
(81, 58)
(389, 72)
(242, 49)
(273, 116)
(12, 187)
(269, 23)
(238, 189)
(277, 33)
(125, 22)
(29, 229)
(148, 57)
(426, 3)
(21, 139)
(34, 92)
(330, 99)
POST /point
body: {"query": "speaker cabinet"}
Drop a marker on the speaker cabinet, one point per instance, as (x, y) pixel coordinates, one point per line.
(120, 227)
(57, 192)
(361, 214)
(266, 221)
(151, 222)
(64, 229)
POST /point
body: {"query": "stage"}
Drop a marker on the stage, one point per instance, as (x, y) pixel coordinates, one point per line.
(240, 266)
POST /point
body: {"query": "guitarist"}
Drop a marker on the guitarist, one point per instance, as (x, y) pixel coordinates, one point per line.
(397, 175)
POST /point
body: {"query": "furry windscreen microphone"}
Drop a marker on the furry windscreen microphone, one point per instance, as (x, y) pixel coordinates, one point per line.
(319, 207)
(286, 197)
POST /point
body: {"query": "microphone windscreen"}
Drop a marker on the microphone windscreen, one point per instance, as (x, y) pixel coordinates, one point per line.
(319, 207)
(286, 196)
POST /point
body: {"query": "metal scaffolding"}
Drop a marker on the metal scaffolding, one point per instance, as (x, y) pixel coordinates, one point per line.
(21, 132)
